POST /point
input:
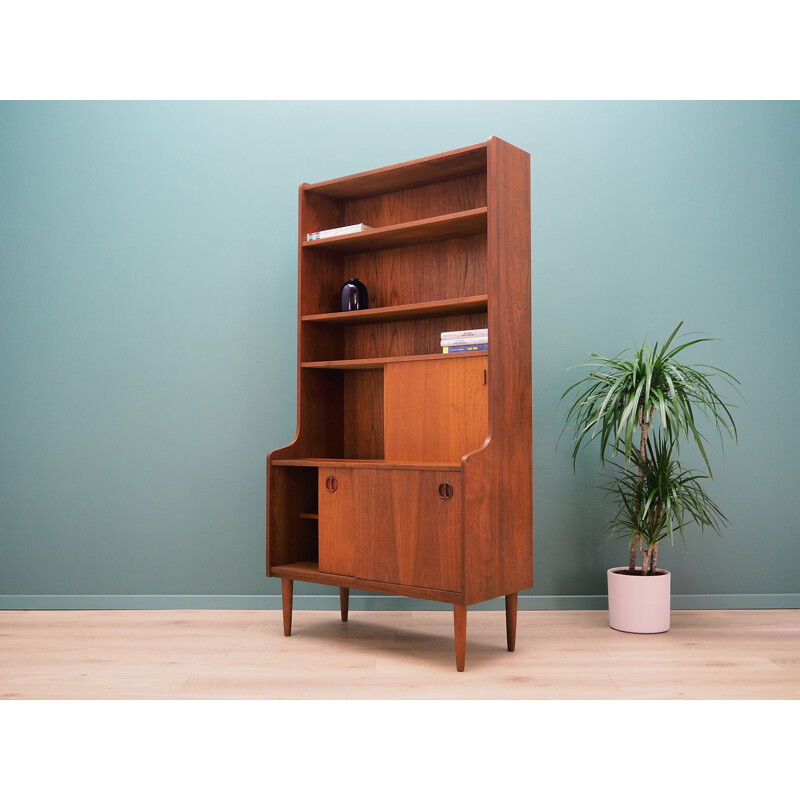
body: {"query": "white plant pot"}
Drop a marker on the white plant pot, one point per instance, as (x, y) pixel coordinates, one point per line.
(638, 603)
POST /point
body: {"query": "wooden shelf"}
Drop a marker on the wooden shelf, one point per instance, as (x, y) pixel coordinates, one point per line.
(434, 229)
(433, 308)
(453, 164)
(309, 516)
(377, 363)
(300, 570)
(363, 463)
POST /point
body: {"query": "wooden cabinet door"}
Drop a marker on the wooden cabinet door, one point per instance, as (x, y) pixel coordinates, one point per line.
(338, 506)
(436, 410)
(406, 533)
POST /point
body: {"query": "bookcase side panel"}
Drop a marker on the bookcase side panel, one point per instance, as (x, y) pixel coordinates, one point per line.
(498, 488)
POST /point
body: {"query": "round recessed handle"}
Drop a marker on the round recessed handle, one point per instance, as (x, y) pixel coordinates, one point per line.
(445, 490)
(331, 484)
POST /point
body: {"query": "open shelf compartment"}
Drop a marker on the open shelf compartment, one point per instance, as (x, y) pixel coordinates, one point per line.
(404, 234)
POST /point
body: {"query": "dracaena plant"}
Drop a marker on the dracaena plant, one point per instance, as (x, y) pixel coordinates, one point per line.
(656, 497)
(618, 404)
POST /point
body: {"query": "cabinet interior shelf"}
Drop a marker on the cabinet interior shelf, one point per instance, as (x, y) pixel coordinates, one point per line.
(365, 463)
(300, 570)
(433, 229)
(377, 363)
(433, 308)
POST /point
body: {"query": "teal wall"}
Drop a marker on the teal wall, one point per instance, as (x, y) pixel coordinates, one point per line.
(147, 321)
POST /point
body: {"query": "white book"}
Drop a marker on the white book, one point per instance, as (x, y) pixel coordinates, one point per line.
(465, 334)
(467, 340)
(338, 231)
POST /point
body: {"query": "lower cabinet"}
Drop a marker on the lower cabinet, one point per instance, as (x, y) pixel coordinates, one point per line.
(400, 526)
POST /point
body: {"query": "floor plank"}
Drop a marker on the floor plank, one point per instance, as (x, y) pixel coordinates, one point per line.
(202, 654)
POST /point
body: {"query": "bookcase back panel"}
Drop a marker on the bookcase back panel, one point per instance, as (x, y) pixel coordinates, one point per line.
(321, 281)
(434, 271)
(419, 202)
(419, 172)
(321, 411)
(363, 414)
(408, 338)
(436, 410)
(319, 343)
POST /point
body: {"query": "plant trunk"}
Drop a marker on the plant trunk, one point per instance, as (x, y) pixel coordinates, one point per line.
(646, 554)
(645, 426)
(654, 559)
(634, 548)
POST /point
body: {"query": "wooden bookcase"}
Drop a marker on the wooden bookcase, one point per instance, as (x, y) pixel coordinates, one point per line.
(411, 471)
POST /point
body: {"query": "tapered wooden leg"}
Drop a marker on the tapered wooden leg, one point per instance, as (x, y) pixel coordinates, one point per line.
(344, 601)
(511, 621)
(460, 626)
(286, 590)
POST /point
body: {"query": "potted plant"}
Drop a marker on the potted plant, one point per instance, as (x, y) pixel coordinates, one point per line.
(640, 406)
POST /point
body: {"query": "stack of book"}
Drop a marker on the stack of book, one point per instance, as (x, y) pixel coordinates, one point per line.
(464, 341)
(337, 231)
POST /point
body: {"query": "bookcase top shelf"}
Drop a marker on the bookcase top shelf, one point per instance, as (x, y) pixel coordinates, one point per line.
(377, 363)
(452, 164)
(432, 308)
(434, 229)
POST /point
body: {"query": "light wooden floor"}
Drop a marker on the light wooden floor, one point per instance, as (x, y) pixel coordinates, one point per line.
(394, 654)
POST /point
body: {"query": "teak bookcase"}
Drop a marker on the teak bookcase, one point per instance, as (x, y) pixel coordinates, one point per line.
(411, 471)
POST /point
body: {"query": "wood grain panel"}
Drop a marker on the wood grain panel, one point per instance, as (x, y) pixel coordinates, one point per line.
(322, 276)
(435, 410)
(406, 533)
(337, 534)
(363, 414)
(498, 488)
(321, 403)
(433, 271)
(418, 203)
(406, 337)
